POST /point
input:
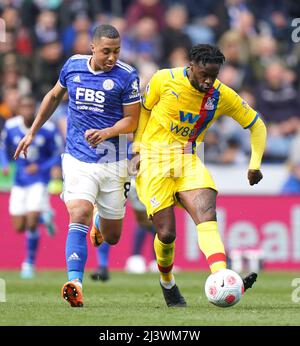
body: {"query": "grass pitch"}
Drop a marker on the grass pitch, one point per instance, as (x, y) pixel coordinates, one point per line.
(136, 300)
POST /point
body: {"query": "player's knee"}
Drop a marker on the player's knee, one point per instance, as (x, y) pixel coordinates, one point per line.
(19, 228)
(112, 239)
(166, 236)
(80, 214)
(208, 213)
(32, 224)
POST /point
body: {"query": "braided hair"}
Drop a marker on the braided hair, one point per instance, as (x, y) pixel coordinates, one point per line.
(206, 53)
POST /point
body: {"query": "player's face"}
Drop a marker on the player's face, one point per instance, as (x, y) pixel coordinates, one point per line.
(105, 53)
(202, 77)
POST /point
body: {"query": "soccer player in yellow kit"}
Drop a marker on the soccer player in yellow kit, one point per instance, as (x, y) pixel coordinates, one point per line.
(179, 105)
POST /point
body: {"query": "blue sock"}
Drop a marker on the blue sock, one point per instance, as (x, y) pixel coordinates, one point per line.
(139, 238)
(76, 250)
(103, 254)
(32, 242)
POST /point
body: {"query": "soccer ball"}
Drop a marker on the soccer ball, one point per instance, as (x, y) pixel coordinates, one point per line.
(224, 288)
(135, 264)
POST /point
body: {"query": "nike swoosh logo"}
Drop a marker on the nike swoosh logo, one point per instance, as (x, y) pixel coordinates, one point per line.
(223, 283)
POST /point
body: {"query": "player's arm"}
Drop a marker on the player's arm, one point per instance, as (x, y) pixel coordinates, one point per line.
(248, 118)
(258, 138)
(125, 125)
(47, 107)
(150, 99)
(143, 121)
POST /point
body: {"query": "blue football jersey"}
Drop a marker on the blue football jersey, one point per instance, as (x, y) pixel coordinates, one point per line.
(96, 100)
(44, 151)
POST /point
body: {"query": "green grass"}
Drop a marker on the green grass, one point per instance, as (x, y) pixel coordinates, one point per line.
(136, 300)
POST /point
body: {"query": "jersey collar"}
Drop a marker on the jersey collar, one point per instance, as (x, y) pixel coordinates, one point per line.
(90, 68)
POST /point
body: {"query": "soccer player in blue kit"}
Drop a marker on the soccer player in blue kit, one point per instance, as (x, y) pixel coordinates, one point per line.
(29, 197)
(104, 102)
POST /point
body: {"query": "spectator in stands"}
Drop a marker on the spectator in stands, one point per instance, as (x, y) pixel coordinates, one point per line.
(277, 99)
(46, 29)
(173, 35)
(233, 153)
(10, 103)
(292, 184)
(49, 58)
(80, 24)
(142, 43)
(139, 9)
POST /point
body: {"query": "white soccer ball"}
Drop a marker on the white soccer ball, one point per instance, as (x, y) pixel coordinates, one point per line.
(224, 288)
(136, 264)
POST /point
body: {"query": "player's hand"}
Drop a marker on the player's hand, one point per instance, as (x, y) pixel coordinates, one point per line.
(23, 146)
(32, 168)
(95, 137)
(254, 176)
(134, 165)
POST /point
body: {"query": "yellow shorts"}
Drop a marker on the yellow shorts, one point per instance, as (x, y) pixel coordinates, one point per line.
(160, 178)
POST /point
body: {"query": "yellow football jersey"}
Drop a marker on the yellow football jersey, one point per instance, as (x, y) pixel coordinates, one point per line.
(180, 113)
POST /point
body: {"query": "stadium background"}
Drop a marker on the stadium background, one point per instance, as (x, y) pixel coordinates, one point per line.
(263, 65)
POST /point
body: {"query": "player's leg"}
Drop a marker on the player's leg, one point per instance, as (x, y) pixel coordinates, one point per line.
(110, 202)
(18, 209)
(155, 188)
(164, 246)
(102, 249)
(79, 194)
(144, 227)
(102, 272)
(196, 192)
(136, 262)
(19, 223)
(47, 216)
(80, 212)
(34, 204)
(32, 240)
(201, 205)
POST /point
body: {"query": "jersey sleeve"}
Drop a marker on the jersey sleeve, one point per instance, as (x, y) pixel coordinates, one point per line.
(152, 92)
(63, 74)
(131, 92)
(239, 109)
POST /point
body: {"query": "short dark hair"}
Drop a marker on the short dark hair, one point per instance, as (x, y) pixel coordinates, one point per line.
(206, 53)
(105, 30)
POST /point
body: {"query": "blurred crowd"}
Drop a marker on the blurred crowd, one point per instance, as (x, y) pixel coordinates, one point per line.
(262, 61)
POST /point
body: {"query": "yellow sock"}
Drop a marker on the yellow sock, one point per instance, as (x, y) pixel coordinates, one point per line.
(165, 258)
(211, 245)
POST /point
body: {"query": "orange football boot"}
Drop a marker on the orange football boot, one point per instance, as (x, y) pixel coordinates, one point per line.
(72, 293)
(95, 233)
